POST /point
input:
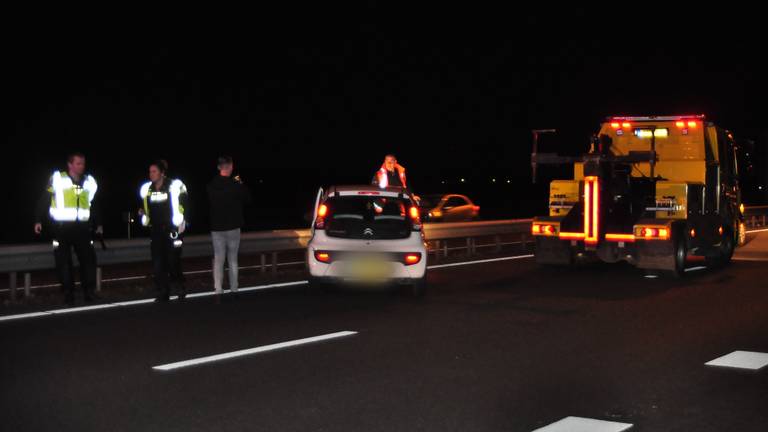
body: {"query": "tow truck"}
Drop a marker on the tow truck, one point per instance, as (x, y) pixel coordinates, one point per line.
(652, 191)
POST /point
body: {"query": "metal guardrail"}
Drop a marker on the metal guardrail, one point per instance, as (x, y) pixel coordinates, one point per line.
(39, 256)
(34, 257)
(26, 258)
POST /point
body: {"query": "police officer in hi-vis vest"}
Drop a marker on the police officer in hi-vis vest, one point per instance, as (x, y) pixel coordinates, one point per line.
(164, 202)
(68, 204)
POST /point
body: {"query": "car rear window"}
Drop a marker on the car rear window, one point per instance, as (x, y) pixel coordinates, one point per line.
(364, 217)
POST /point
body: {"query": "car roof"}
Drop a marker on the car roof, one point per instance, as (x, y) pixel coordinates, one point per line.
(348, 190)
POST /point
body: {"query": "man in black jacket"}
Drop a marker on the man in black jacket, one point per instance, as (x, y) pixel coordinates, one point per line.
(227, 197)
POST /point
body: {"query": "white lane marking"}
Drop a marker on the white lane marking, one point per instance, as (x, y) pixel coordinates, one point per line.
(261, 349)
(26, 315)
(581, 424)
(479, 261)
(210, 293)
(756, 231)
(651, 276)
(741, 360)
(698, 268)
(134, 302)
(82, 309)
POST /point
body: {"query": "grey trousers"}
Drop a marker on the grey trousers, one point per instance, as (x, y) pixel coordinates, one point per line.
(225, 246)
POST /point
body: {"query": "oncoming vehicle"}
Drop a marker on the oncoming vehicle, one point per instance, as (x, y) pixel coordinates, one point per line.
(364, 235)
(448, 208)
(652, 191)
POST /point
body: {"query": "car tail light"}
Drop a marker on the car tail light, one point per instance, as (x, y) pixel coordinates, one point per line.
(680, 124)
(413, 212)
(476, 208)
(692, 124)
(322, 211)
(720, 230)
(323, 256)
(412, 258)
(626, 125)
(615, 125)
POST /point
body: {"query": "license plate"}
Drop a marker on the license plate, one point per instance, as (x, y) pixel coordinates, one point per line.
(371, 270)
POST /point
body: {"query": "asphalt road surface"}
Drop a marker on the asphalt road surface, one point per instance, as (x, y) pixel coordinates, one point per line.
(494, 346)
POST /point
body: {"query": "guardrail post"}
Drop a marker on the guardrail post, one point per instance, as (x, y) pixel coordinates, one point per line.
(274, 263)
(27, 285)
(12, 285)
(98, 279)
(263, 268)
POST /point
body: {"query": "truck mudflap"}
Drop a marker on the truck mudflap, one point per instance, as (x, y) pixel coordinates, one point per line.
(655, 254)
(553, 251)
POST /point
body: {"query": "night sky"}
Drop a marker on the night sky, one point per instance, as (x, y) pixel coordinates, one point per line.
(302, 102)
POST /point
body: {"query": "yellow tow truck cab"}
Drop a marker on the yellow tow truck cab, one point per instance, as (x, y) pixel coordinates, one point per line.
(651, 191)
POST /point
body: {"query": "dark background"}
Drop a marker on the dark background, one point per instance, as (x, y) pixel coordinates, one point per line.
(303, 98)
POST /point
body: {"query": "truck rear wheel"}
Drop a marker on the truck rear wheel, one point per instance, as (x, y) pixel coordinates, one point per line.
(681, 253)
(725, 250)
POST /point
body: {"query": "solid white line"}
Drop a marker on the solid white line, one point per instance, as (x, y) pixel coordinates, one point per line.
(134, 302)
(756, 231)
(479, 261)
(261, 349)
(82, 309)
(26, 315)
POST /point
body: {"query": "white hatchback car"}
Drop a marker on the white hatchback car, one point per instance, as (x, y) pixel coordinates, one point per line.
(366, 234)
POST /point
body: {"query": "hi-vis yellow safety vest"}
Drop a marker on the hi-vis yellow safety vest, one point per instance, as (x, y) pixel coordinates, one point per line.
(175, 190)
(71, 202)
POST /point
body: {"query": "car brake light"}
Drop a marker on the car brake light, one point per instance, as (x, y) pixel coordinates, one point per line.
(615, 125)
(680, 124)
(412, 258)
(692, 124)
(476, 208)
(322, 211)
(626, 125)
(536, 229)
(414, 213)
(324, 257)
